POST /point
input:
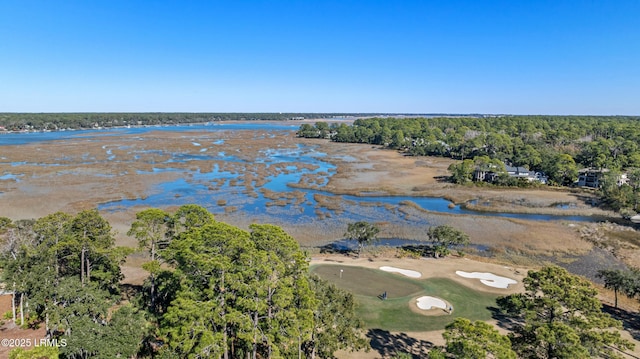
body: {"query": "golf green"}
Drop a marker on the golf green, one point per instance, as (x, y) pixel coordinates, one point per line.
(367, 281)
(394, 314)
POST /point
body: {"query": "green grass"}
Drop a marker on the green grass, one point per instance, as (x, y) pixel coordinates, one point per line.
(368, 282)
(394, 313)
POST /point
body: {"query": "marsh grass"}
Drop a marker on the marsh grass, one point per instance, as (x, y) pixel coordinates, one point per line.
(279, 202)
(629, 237)
(329, 202)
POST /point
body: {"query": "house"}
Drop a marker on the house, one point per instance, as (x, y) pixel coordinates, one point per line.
(622, 179)
(485, 175)
(517, 172)
(590, 177)
(522, 172)
(540, 177)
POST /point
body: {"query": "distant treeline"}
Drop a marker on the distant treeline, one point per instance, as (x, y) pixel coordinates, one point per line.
(610, 142)
(58, 121)
(555, 145)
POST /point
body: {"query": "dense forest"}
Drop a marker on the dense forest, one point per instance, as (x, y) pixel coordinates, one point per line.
(213, 290)
(216, 291)
(557, 146)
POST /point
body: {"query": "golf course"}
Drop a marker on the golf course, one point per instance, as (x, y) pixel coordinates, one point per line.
(398, 312)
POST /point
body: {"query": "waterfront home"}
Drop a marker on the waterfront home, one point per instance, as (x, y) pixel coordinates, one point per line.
(592, 178)
(488, 175)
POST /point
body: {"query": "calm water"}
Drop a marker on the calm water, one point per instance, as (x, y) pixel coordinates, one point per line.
(196, 186)
(33, 137)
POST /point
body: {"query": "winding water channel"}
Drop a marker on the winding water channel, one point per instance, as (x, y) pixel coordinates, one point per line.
(274, 196)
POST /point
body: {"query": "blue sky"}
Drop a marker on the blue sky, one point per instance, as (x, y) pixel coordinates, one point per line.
(518, 57)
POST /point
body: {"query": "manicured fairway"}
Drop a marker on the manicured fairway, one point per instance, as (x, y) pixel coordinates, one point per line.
(394, 313)
(367, 281)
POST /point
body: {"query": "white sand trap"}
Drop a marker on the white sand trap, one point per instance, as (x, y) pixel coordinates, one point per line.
(430, 302)
(488, 279)
(408, 273)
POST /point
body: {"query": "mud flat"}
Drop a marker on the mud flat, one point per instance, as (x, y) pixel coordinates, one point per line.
(75, 174)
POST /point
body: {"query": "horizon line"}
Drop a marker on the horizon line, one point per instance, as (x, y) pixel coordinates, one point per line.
(312, 113)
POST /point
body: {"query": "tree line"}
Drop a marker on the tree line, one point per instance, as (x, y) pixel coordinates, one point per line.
(217, 291)
(63, 272)
(557, 146)
(213, 290)
(60, 121)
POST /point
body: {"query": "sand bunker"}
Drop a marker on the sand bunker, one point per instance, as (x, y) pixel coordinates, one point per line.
(408, 273)
(488, 279)
(430, 302)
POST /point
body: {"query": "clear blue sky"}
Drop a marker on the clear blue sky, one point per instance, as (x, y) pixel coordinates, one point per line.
(511, 56)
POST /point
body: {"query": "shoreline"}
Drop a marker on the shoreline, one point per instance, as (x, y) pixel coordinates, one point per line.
(78, 185)
(461, 197)
(199, 123)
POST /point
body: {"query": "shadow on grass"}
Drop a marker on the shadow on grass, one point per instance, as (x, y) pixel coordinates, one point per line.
(332, 249)
(423, 250)
(388, 344)
(443, 179)
(588, 199)
(630, 320)
(503, 320)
